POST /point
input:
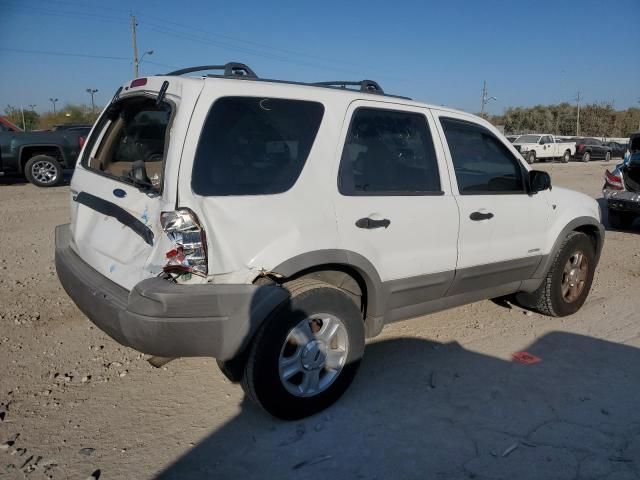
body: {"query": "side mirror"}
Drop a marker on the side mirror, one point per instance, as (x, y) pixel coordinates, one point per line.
(539, 181)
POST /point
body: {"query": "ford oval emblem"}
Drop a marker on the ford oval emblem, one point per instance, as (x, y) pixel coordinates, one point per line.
(118, 192)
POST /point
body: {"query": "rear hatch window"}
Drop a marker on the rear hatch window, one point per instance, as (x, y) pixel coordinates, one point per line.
(132, 142)
(254, 146)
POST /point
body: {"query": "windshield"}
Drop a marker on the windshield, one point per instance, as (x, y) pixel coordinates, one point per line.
(528, 139)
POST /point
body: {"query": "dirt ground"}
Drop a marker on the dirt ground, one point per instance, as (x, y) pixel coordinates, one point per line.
(436, 397)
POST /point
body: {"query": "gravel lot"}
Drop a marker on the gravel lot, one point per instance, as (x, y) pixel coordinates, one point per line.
(436, 397)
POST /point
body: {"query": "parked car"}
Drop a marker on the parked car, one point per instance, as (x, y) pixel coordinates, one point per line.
(281, 223)
(41, 156)
(588, 148)
(617, 149)
(7, 126)
(544, 147)
(622, 188)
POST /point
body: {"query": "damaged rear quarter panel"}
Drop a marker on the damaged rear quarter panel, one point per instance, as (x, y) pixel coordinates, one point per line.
(249, 234)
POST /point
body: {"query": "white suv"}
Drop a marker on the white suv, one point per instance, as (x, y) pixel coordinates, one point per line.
(274, 225)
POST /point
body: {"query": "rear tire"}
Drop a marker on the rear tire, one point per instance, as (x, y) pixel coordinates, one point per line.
(296, 367)
(566, 286)
(531, 158)
(620, 220)
(43, 171)
(586, 157)
(566, 157)
(607, 156)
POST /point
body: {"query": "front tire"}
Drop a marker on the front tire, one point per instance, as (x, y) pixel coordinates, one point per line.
(43, 171)
(307, 352)
(567, 284)
(620, 220)
(607, 156)
(531, 158)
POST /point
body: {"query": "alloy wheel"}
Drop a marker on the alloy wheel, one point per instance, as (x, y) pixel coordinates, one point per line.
(313, 355)
(44, 172)
(574, 276)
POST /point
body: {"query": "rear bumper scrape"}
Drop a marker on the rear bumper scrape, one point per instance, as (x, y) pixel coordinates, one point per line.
(162, 318)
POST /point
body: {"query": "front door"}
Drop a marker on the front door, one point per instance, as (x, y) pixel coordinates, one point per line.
(502, 226)
(394, 205)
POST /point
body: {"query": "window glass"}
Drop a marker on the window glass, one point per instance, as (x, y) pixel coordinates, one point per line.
(388, 153)
(527, 139)
(482, 163)
(254, 145)
(135, 130)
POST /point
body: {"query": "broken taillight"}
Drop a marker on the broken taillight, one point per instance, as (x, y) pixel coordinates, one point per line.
(189, 252)
(612, 181)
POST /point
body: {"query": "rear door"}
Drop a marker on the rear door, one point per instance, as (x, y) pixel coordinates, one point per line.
(125, 178)
(394, 204)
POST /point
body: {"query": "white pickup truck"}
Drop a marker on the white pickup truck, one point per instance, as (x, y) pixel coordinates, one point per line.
(537, 147)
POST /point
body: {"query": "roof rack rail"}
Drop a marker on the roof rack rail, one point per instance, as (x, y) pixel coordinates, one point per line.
(368, 86)
(231, 69)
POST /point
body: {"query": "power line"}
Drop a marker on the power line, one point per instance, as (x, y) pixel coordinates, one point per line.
(36, 10)
(191, 28)
(63, 54)
(246, 50)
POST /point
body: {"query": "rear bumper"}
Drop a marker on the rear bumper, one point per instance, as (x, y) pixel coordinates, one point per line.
(158, 317)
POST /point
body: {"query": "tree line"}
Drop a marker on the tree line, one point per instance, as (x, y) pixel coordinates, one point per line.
(596, 120)
(69, 113)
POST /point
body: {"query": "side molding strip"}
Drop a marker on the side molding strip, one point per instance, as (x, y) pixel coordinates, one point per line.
(112, 210)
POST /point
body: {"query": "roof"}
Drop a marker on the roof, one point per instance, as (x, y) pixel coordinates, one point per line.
(234, 71)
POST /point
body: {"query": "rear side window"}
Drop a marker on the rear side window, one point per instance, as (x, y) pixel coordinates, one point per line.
(129, 142)
(254, 145)
(388, 153)
(482, 163)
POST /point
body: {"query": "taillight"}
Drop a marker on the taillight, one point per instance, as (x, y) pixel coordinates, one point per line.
(81, 141)
(614, 182)
(189, 252)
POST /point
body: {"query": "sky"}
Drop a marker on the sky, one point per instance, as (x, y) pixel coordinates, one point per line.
(438, 52)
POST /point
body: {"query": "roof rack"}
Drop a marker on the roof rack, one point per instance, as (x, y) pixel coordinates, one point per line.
(231, 69)
(368, 86)
(244, 72)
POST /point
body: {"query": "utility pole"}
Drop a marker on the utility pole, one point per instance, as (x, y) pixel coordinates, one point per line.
(92, 92)
(24, 124)
(135, 46)
(485, 98)
(53, 100)
(578, 98)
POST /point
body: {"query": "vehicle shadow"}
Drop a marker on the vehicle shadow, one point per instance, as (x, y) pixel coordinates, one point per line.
(602, 202)
(422, 409)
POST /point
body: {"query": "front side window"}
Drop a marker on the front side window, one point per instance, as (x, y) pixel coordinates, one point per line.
(482, 163)
(129, 142)
(388, 153)
(254, 145)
